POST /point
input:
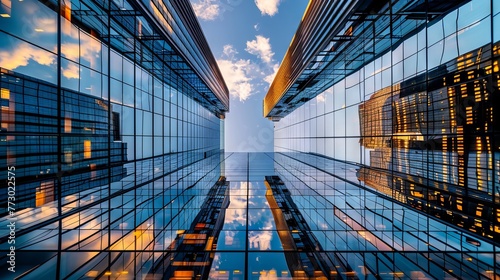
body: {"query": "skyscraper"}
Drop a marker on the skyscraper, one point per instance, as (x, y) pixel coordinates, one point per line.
(112, 125)
(394, 105)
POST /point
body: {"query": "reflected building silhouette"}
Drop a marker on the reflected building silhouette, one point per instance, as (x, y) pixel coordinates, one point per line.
(302, 250)
(431, 143)
(191, 254)
(112, 115)
(386, 113)
(365, 234)
(92, 150)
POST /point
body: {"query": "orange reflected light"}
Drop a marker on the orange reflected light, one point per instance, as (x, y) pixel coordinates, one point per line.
(160, 15)
(184, 273)
(67, 124)
(45, 193)
(92, 273)
(66, 10)
(5, 8)
(5, 93)
(87, 149)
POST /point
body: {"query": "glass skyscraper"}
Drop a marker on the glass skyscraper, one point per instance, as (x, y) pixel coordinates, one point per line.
(112, 116)
(386, 136)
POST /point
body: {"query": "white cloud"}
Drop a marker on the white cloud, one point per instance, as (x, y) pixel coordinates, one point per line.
(207, 9)
(245, 77)
(267, 7)
(320, 98)
(237, 79)
(229, 51)
(236, 215)
(261, 48)
(270, 78)
(237, 73)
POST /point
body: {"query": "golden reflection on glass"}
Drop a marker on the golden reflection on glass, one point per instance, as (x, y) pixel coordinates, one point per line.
(5, 93)
(67, 124)
(22, 55)
(87, 149)
(137, 239)
(5, 8)
(92, 273)
(66, 10)
(7, 114)
(163, 16)
(45, 193)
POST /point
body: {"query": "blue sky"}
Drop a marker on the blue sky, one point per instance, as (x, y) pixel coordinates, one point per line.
(249, 39)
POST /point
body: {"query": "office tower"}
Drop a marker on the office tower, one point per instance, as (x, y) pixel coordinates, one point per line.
(386, 113)
(112, 116)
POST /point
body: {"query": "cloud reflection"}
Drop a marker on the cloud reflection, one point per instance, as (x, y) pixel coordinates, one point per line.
(83, 48)
(71, 72)
(88, 49)
(260, 240)
(22, 54)
(321, 98)
(46, 24)
(236, 216)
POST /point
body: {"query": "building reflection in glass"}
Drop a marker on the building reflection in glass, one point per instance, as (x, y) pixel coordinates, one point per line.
(431, 143)
(365, 234)
(302, 222)
(30, 135)
(386, 135)
(112, 115)
(402, 100)
(191, 253)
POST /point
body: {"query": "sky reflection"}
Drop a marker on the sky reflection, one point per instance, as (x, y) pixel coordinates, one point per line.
(257, 233)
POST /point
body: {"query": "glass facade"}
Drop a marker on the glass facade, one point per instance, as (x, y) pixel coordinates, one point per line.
(395, 118)
(112, 116)
(362, 234)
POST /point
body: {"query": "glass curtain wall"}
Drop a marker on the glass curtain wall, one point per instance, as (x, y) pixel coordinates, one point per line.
(418, 124)
(362, 234)
(111, 144)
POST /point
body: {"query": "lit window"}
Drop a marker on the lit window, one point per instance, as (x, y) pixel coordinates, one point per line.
(5, 93)
(87, 149)
(45, 193)
(68, 156)
(67, 125)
